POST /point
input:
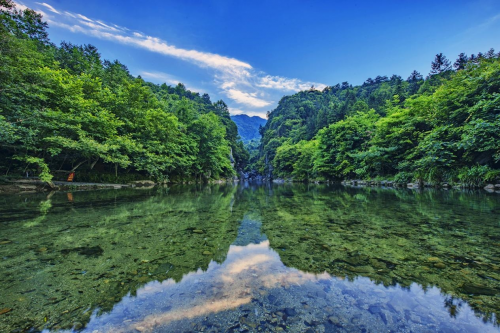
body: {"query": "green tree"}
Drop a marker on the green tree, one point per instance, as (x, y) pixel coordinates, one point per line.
(440, 64)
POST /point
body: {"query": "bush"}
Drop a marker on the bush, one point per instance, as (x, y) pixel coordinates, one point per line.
(477, 175)
(403, 177)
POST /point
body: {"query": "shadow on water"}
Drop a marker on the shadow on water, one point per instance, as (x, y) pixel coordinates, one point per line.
(251, 257)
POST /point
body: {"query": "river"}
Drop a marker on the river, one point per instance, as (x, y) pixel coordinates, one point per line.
(250, 258)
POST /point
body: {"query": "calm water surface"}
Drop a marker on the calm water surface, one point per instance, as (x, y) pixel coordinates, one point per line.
(250, 258)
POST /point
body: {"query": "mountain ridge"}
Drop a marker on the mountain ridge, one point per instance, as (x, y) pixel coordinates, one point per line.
(248, 126)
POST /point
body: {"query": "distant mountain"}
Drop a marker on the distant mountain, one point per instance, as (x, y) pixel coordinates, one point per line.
(248, 127)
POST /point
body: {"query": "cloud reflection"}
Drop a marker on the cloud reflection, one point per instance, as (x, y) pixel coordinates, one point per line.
(247, 272)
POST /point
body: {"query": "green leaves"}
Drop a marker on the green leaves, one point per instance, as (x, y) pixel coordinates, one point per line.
(64, 108)
(452, 123)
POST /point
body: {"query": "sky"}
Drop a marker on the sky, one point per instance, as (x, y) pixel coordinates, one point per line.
(252, 53)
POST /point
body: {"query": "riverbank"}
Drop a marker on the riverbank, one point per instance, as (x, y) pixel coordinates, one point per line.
(36, 185)
(491, 188)
(446, 186)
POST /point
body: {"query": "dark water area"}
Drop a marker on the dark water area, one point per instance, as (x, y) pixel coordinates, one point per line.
(250, 258)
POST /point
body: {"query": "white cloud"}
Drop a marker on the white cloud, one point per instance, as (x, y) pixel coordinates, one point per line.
(52, 9)
(20, 6)
(234, 78)
(247, 98)
(160, 77)
(235, 112)
(85, 18)
(107, 26)
(286, 84)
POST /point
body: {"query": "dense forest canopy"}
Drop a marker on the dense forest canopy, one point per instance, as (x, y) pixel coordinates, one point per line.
(63, 108)
(444, 128)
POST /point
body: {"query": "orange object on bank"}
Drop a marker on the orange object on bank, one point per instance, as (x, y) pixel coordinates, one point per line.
(71, 176)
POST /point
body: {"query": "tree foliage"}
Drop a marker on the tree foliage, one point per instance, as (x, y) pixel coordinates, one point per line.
(64, 108)
(442, 128)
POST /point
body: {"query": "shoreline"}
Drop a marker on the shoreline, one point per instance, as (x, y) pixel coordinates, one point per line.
(25, 186)
(490, 187)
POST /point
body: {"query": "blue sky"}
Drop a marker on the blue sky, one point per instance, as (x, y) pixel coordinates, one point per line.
(251, 53)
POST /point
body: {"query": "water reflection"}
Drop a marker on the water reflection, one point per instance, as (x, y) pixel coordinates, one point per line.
(253, 290)
(256, 258)
(434, 238)
(62, 261)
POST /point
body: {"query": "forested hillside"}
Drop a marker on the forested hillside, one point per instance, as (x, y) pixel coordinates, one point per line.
(445, 127)
(63, 108)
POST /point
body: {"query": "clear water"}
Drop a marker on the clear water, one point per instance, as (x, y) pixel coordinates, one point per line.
(250, 258)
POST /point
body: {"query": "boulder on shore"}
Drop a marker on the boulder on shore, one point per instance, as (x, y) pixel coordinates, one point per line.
(143, 183)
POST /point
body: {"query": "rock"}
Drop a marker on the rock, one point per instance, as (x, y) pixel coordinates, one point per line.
(489, 187)
(290, 312)
(198, 231)
(361, 269)
(27, 187)
(77, 325)
(377, 264)
(477, 289)
(4, 311)
(374, 309)
(143, 182)
(440, 265)
(334, 320)
(497, 186)
(271, 299)
(433, 259)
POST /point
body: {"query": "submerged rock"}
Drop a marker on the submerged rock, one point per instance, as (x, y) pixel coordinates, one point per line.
(87, 251)
(477, 289)
(4, 311)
